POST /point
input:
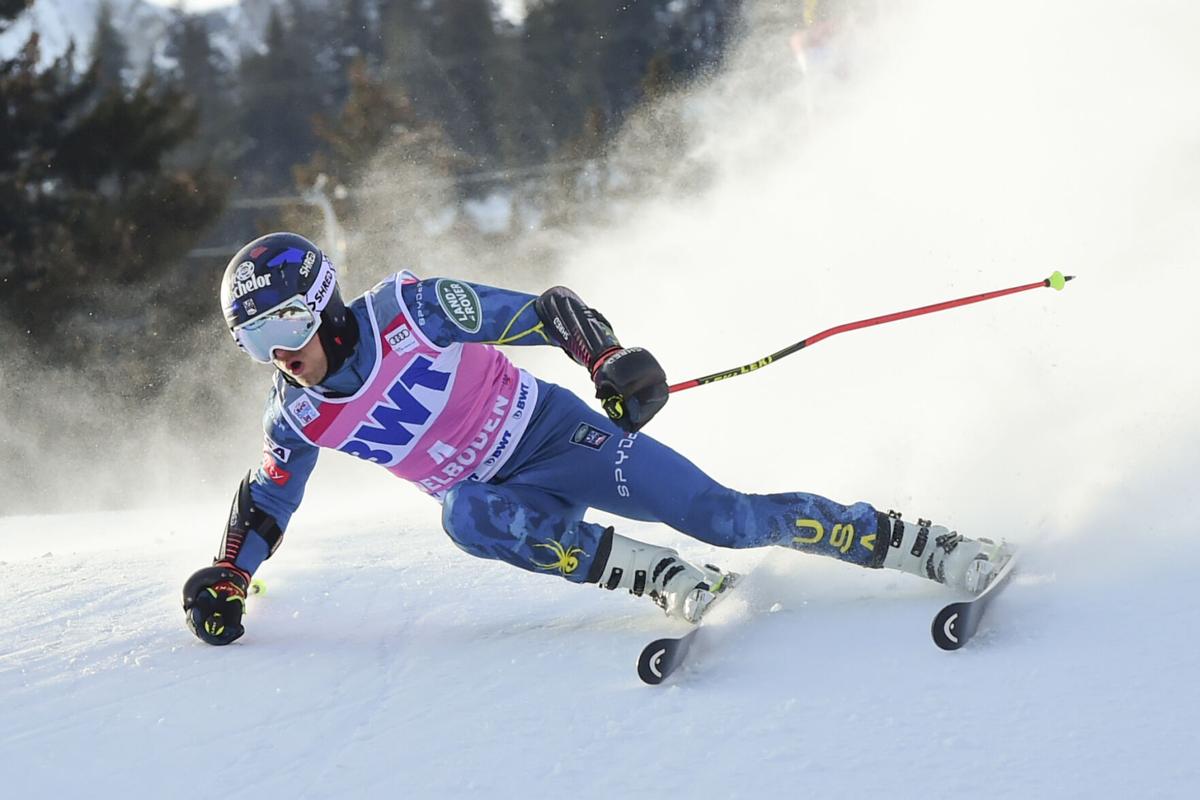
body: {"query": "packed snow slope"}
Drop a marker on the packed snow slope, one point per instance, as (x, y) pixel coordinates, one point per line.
(383, 663)
(971, 146)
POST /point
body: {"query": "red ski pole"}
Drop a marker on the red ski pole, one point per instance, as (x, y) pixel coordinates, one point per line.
(1056, 281)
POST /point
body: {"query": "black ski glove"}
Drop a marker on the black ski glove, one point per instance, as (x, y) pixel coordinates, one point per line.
(214, 599)
(631, 386)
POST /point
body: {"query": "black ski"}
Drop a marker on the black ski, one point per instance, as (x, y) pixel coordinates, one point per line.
(662, 656)
(955, 624)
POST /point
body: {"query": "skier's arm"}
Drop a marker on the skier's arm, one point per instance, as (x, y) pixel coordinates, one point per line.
(630, 383)
(214, 597)
(449, 310)
(268, 495)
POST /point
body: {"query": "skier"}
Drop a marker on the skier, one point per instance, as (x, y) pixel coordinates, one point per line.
(408, 376)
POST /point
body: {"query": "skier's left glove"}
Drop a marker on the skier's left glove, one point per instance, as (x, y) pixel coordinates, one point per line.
(214, 599)
(630, 385)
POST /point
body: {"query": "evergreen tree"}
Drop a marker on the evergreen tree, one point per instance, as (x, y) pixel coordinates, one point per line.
(32, 220)
(563, 41)
(632, 37)
(463, 44)
(375, 115)
(198, 73)
(592, 58)
(520, 136)
(109, 55)
(88, 208)
(315, 34)
(405, 32)
(697, 38)
(359, 34)
(280, 97)
(375, 133)
(204, 76)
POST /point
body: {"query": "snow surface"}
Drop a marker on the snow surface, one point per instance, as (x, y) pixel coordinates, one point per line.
(384, 662)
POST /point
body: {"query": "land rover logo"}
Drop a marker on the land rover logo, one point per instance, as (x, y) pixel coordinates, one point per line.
(245, 271)
(461, 304)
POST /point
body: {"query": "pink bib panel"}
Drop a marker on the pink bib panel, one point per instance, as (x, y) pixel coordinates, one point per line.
(431, 415)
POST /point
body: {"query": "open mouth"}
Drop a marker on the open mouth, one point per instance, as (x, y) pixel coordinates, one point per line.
(295, 366)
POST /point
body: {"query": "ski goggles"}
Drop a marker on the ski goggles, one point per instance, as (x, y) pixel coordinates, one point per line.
(288, 326)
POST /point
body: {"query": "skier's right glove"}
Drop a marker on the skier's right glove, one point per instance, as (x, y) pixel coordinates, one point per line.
(214, 599)
(631, 385)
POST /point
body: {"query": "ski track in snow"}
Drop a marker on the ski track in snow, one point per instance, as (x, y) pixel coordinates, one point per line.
(398, 669)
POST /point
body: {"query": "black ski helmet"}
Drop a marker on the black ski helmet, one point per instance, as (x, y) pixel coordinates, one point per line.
(277, 268)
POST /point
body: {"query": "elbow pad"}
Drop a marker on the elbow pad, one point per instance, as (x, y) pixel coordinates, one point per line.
(583, 332)
(245, 517)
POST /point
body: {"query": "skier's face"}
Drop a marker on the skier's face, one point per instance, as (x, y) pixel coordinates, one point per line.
(306, 366)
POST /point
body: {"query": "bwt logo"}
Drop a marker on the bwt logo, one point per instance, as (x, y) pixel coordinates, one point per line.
(522, 401)
(385, 441)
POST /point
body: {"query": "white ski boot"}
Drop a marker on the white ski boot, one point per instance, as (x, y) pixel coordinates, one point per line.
(935, 552)
(680, 589)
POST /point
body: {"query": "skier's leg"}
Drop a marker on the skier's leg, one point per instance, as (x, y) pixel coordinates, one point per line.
(670, 488)
(581, 455)
(576, 453)
(537, 531)
(664, 485)
(527, 528)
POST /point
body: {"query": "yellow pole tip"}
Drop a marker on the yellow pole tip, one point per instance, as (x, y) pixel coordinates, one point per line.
(1057, 281)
